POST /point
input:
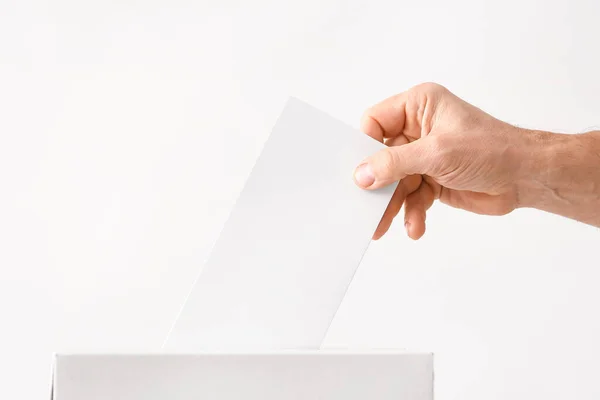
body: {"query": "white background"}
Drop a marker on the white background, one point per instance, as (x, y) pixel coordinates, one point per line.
(128, 128)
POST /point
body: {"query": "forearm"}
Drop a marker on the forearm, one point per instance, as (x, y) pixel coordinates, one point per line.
(561, 174)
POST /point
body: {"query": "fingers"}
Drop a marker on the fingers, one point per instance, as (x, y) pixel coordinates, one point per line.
(415, 209)
(385, 119)
(393, 121)
(400, 140)
(396, 121)
(395, 163)
(406, 186)
(407, 112)
(391, 211)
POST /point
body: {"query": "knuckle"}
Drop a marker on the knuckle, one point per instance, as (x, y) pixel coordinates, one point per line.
(431, 88)
(428, 97)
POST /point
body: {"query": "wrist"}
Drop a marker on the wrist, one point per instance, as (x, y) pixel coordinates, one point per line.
(553, 171)
(534, 156)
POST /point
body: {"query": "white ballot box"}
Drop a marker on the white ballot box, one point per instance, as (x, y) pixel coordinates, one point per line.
(301, 375)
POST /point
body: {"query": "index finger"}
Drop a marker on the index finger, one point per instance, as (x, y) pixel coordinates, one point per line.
(386, 119)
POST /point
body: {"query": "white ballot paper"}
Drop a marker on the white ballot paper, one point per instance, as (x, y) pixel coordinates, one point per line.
(283, 261)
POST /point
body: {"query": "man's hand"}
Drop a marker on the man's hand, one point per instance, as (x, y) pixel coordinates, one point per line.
(441, 147)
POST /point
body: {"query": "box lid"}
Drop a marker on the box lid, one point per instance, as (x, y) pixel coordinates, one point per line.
(331, 375)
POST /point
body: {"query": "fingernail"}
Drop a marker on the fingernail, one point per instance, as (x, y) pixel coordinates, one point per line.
(364, 175)
(407, 226)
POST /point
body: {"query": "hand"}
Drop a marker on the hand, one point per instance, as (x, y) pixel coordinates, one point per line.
(441, 147)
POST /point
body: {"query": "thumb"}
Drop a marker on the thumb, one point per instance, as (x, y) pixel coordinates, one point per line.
(394, 163)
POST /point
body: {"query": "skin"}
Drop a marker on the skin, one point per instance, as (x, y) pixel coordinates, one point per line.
(443, 148)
